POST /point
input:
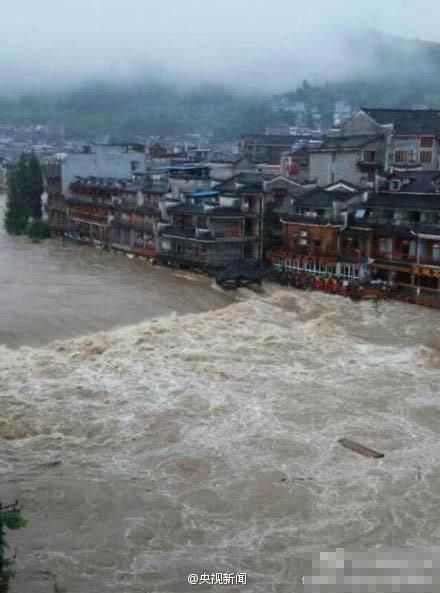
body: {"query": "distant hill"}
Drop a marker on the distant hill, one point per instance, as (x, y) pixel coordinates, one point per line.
(392, 72)
(389, 71)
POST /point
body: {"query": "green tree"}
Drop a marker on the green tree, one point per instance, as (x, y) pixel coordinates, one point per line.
(38, 229)
(17, 211)
(34, 187)
(25, 187)
(10, 518)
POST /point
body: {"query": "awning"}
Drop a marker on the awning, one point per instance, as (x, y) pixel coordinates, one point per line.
(432, 237)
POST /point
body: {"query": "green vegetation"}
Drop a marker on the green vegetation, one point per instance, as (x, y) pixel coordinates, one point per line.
(38, 229)
(141, 108)
(392, 72)
(10, 518)
(24, 206)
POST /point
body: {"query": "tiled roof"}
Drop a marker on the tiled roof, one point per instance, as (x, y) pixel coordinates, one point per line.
(403, 201)
(346, 142)
(320, 198)
(411, 122)
(420, 181)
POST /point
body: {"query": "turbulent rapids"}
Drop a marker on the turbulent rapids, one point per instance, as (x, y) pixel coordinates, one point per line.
(208, 442)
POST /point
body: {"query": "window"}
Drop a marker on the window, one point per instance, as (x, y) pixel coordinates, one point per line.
(369, 156)
(385, 245)
(426, 156)
(436, 251)
(426, 142)
(401, 156)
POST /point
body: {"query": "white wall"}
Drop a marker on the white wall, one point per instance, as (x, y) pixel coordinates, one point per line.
(103, 161)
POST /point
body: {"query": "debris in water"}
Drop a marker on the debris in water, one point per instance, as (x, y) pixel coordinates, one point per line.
(360, 448)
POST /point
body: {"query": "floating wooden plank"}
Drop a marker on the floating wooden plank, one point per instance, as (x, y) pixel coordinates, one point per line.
(366, 451)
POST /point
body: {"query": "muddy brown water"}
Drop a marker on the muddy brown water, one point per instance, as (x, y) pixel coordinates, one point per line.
(48, 291)
(207, 441)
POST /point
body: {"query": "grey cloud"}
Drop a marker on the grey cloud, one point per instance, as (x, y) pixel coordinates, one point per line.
(265, 44)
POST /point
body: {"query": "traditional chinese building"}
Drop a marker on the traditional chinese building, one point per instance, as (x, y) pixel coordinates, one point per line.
(315, 235)
(280, 193)
(115, 161)
(211, 228)
(376, 141)
(114, 213)
(402, 225)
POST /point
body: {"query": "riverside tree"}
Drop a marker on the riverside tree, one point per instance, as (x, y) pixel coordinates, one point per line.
(25, 187)
(10, 518)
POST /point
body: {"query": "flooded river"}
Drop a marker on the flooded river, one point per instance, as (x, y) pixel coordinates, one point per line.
(207, 441)
(48, 291)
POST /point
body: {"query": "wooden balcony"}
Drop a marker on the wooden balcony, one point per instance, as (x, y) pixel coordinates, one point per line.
(351, 257)
(397, 256)
(304, 253)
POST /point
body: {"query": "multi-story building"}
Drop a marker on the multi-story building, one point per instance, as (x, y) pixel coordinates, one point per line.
(225, 166)
(118, 161)
(296, 164)
(314, 233)
(414, 136)
(280, 193)
(188, 177)
(357, 158)
(402, 227)
(114, 213)
(211, 228)
(374, 142)
(392, 235)
(260, 148)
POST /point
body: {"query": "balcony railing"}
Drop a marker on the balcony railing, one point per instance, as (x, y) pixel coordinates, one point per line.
(136, 226)
(227, 234)
(396, 225)
(393, 255)
(352, 255)
(102, 202)
(312, 253)
(428, 261)
(205, 234)
(361, 162)
(303, 218)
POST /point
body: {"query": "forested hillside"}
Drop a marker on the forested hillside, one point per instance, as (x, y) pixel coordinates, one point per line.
(392, 72)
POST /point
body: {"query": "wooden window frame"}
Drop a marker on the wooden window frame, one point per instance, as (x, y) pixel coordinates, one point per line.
(426, 156)
(426, 142)
(401, 156)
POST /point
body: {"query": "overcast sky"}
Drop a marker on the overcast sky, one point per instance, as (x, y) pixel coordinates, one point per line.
(271, 43)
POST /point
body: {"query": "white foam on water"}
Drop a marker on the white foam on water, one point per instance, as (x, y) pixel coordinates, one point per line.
(209, 442)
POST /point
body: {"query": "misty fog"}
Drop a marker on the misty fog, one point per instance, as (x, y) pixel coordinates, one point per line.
(251, 44)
